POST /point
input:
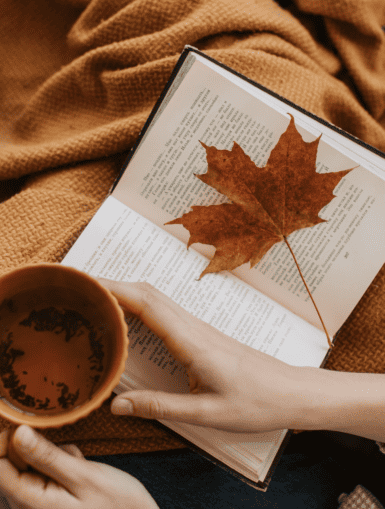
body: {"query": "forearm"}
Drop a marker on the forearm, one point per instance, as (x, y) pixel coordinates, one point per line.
(347, 402)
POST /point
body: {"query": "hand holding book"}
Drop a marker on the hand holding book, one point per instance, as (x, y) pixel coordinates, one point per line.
(234, 387)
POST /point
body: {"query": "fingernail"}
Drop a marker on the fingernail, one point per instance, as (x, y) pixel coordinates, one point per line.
(122, 407)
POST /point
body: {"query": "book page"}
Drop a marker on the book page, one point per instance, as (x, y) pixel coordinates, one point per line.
(120, 244)
(251, 454)
(159, 183)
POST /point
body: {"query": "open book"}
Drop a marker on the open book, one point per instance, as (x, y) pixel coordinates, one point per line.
(266, 307)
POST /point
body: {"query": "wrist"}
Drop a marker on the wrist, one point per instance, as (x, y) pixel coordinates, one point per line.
(318, 402)
(329, 397)
(339, 401)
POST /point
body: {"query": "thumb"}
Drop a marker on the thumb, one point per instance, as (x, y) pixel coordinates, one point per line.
(32, 447)
(46, 457)
(199, 409)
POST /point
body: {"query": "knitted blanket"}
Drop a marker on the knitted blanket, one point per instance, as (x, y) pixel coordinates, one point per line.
(78, 79)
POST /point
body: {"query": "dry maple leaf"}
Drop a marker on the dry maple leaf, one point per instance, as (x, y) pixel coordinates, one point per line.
(267, 205)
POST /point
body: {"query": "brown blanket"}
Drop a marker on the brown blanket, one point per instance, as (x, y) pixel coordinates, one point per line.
(78, 79)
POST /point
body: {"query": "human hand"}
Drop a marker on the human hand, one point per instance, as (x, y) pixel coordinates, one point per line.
(232, 386)
(64, 479)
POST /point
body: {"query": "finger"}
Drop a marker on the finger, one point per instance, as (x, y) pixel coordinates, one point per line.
(204, 410)
(73, 450)
(4, 437)
(32, 490)
(19, 463)
(7, 450)
(173, 324)
(48, 459)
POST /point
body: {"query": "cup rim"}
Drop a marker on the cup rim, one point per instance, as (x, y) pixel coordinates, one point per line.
(62, 419)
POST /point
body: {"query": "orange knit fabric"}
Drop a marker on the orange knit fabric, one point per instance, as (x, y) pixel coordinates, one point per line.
(78, 80)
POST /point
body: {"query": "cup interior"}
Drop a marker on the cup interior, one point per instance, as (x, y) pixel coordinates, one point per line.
(62, 342)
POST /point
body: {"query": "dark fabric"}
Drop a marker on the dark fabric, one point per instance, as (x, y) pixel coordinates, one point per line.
(312, 473)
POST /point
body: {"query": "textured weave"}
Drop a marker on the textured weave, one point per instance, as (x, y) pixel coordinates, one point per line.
(77, 82)
(359, 498)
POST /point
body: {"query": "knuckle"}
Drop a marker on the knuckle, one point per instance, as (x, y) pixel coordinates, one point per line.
(154, 409)
(94, 474)
(72, 449)
(47, 453)
(149, 295)
(145, 288)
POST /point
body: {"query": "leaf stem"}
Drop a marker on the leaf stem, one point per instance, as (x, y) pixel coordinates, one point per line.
(308, 291)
